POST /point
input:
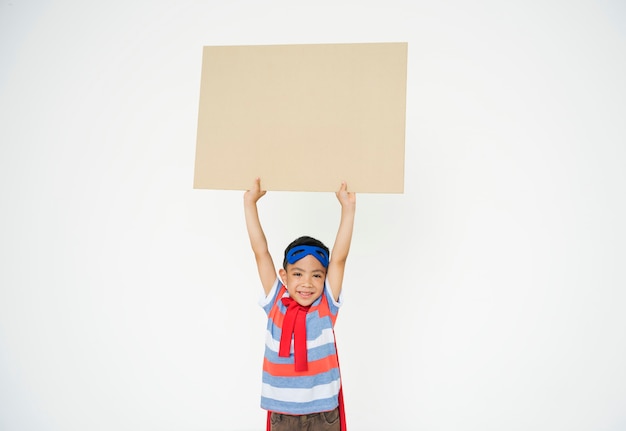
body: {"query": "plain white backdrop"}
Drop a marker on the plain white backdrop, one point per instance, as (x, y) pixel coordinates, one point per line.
(489, 296)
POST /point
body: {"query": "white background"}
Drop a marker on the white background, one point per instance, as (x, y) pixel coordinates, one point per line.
(491, 295)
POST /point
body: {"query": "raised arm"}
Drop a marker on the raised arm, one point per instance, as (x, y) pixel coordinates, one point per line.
(341, 247)
(264, 262)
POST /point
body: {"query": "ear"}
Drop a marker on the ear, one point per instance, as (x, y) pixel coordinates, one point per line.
(283, 276)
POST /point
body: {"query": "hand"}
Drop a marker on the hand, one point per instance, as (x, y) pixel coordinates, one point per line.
(346, 199)
(255, 193)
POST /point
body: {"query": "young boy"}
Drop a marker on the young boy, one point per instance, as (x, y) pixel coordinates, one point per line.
(301, 380)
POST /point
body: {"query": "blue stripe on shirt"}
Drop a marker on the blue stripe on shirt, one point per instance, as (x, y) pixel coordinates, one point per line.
(323, 405)
(301, 381)
(313, 354)
(314, 326)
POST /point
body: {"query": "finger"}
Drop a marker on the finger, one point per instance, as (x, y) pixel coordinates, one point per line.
(259, 190)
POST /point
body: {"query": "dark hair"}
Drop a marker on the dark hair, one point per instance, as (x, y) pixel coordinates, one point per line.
(304, 240)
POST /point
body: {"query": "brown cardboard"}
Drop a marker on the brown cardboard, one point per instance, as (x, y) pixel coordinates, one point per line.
(302, 117)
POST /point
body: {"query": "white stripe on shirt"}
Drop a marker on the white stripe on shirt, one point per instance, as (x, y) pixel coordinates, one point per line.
(326, 337)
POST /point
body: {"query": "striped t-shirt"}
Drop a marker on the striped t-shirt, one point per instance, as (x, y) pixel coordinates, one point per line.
(286, 390)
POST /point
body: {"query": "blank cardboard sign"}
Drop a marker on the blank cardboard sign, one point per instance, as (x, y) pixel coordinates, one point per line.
(302, 117)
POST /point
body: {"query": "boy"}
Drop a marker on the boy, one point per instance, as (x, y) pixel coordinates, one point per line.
(301, 381)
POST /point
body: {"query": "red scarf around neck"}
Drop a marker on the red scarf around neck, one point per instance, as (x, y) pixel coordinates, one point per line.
(294, 323)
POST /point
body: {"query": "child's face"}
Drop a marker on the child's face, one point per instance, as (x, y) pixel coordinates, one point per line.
(304, 280)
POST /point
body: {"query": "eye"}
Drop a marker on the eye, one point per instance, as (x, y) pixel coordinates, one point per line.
(297, 274)
(318, 275)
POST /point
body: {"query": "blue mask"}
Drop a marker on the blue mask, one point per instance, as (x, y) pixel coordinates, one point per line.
(300, 251)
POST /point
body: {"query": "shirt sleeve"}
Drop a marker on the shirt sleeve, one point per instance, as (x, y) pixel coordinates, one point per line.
(334, 305)
(266, 301)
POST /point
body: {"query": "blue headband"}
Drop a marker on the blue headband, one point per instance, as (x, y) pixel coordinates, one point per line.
(300, 251)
